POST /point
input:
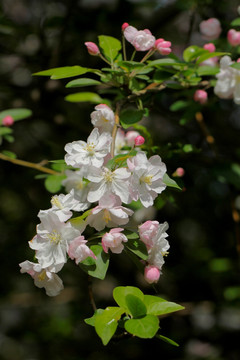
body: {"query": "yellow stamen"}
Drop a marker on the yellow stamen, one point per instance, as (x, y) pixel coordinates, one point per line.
(56, 202)
(54, 236)
(147, 179)
(106, 216)
(42, 275)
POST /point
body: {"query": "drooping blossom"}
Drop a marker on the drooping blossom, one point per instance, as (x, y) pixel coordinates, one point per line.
(163, 46)
(151, 274)
(109, 213)
(113, 240)
(8, 120)
(79, 251)
(160, 247)
(43, 278)
(103, 118)
(106, 182)
(92, 48)
(142, 40)
(210, 29)
(233, 37)
(200, 96)
(228, 81)
(52, 240)
(147, 232)
(147, 177)
(88, 153)
(63, 204)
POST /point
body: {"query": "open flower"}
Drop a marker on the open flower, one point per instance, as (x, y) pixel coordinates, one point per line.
(63, 204)
(159, 247)
(43, 277)
(79, 251)
(210, 29)
(109, 213)
(142, 40)
(88, 153)
(113, 241)
(103, 118)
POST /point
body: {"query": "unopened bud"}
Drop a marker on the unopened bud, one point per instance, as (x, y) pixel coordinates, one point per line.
(233, 37)
(179, 172)
(8, 120)
(151, 274)
(124, 26)
(210, 47)
(139, 140)
(200, 96)
(92, 48)
(164, 47)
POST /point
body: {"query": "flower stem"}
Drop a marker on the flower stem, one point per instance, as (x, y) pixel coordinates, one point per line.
(104, 59)
(124, 48)
(28, 164)
(115, 127)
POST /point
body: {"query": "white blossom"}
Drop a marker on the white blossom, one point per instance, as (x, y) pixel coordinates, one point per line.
(63, 204)
(75, 181)
(79, 251)
(52, 240)
(113, 240)
(103, 118)
(43, 277)
(88, 153)
(159, 247)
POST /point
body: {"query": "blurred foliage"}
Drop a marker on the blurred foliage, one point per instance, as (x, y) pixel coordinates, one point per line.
(202, 269)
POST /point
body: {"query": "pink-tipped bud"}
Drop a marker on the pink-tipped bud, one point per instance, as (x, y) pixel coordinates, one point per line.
(179, 172)
(151, 274)
(124, 26)
(210, 47)
(139, 140)
(233, 37)
(92, 48)
(200, 96)
(238, 60)
(164, 47)
(8, 120)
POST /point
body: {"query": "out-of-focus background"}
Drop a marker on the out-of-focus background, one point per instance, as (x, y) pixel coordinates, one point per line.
(202, 269)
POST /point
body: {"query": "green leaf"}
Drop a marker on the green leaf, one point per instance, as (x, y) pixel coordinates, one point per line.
(129, 117)
(210, 55)
(187, 148)
(135, 306)
(167, 340)
(85, 97)
(120, 160)
(192, 52)
(9, 154)
(130, 65)
(207, 70)
(65, 72)
(110, 46)
(17, 114)
(5, 131)
(145, 327)
(137, 247)
(53, 183)
(236, 66)
(120, 293)
(82, 82)
(92, 319)
(165, 62)
(96, 267)
(106, 323)
(179, 105)
(170, 182)
(235, 22)
(160, 75)
(158, 306)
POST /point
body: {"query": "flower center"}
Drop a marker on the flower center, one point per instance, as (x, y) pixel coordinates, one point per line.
(90, 148)
(42, 275)
(106, 216)
(56, 202)
(164, 253)
(147, 179)
(108, 176)
(54, 236)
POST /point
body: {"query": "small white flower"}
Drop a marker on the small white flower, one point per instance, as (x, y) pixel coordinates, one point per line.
(107, 182)
(43, 277)
(88, 153)
(159, 247)
(79, 251)
(52, 240)
(103, 118)
(147, 177)
(144, 40)
(75, 181)
(63, 204)
(108, 213)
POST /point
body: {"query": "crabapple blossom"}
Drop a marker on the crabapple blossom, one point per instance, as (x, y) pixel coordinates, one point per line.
(42, 277)
(147, 232)
(139, 140)
(142, 40)
(233, 37)
(8, 120)
(63, 204)
(120, 142)
(124, 26)
(91, 152)
(79, 251)
(160, 247)
(75, 181)
(147, 177)
(200, 96)
(151, 274)
(103, 118)
(92, 48)
(107, 182)
(113, 240)
(52, 240)
(210, 47)
(210, 29)
(179, 172)
(130, 137)
(163, 46)
(109, 213)
(228, 81)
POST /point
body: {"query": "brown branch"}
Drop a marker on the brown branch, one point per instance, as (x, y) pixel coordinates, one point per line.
(28, 164)
(90, 293)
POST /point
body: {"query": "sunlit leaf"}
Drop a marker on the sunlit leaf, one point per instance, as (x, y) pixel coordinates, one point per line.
(85, 97)
(110, 46)
(106, 323)
(82, 82)
(96, 267)
(120, 293)
(146, 327)
(170, 182)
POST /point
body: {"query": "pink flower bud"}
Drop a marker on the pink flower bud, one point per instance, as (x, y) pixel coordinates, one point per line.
(92, 48)
(164, 47)
(233, 37)
(210, 29)
(151, 274)
(179, 172)
(139, 140)
(210, 47)
(131, 136)
(8, 120)
(200, 96)
(124, 26)
(238, 60)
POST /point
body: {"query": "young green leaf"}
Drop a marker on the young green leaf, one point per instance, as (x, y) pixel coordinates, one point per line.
(17, 114)
(192, 52)
(135, 306)
(110, 46)
(106, 323)
(97, 267)
(82, 82)
(65, 72)
(85, 97)
(137, 247)
(91, 320)
(161, 307)
(235, 22)
(209, 55)
(170, 182)
(129, 117)
(53, 183)
(120, 293)
(167, 340)
(146, 327)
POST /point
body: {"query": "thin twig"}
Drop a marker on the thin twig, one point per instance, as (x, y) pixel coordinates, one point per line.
(90, 293)
(115, 127)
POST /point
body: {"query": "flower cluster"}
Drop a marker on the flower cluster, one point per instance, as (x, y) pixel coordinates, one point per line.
(104, 188)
